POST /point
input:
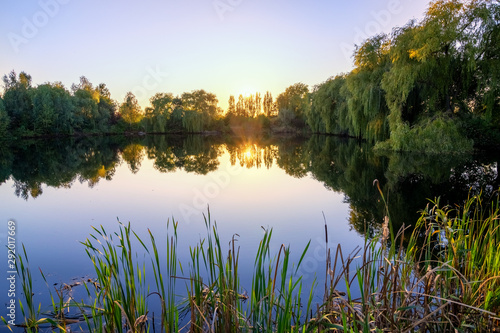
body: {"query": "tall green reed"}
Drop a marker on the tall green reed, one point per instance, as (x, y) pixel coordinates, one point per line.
(32, 314)
(443, 274)
(121, 288)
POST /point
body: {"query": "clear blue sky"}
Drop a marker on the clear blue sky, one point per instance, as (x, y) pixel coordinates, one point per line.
(223, 46)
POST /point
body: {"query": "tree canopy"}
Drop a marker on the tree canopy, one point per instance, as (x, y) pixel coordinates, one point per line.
(431, 85)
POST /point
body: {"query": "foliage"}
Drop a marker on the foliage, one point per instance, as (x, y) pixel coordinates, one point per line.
(293, 104)
(329, 112)
(4, 120)
(53, 109)
(367, 111)
(157, 116)
(439, 73)
(86, 100)
(268, 105)
(130, 110)
(447, 278)
(429, 287)
(17, 101)
(199, 103)
(445, 66)
(192, 121)
(430, 136)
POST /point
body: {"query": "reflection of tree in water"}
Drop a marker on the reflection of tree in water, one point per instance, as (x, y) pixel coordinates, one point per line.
(345, 166)
(58, 163)
(133, 154)
(25, 190)
(6, 160)
(192, 153)
(293, 159)
(252, 154)
(287, 153)
(349, 167)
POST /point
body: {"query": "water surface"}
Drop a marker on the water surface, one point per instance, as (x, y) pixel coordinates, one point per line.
(56, 190)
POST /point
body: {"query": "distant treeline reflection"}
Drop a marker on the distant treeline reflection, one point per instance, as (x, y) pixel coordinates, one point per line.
(343, 165)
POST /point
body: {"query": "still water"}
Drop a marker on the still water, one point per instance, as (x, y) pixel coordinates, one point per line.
(56, 190)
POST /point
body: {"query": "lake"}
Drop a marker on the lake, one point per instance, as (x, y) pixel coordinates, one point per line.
(56, 190)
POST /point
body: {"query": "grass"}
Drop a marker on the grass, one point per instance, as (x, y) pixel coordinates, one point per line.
(441, 275)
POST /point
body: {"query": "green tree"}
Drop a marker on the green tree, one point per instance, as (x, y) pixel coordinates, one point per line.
(231, 108)
(250, 106)
(202, 102)
(4, 120)
(130, 111)
(192, 121)
(240, 106)
(329, 111)
(258, 104)
(106, 107)
(268, 104)
(18, 104)
(86, 100)
(158, 115)
(53, 109)
(293, 104)
(367, 107)
(484, 32)
(431, 71)
(430, 77)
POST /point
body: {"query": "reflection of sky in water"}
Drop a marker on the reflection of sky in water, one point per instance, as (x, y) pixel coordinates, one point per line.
(241, 201)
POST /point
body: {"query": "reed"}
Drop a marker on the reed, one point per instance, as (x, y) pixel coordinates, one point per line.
(447, 279)
(121, 288)
(440, 275)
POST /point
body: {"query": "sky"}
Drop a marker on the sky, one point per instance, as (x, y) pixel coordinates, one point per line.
(227, 47)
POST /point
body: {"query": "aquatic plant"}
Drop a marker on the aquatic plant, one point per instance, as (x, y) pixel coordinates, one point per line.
(442, 274)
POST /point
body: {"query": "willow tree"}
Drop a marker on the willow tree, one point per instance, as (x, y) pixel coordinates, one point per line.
(367, 109)
(202, 102)
(293, 103)
(319, 100)
(429, 77)
(192, 121)
(484, 50)
(329, 112)
(158, 114)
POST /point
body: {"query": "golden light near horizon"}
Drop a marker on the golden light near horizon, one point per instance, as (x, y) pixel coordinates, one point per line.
(246, 91)
(248, 153)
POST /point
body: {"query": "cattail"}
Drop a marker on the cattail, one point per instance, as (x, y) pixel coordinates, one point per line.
(385, 230)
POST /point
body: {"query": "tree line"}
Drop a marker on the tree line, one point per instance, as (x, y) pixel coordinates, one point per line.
(431, 85)
(50, 109)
